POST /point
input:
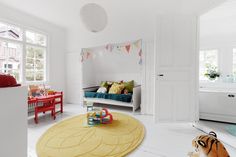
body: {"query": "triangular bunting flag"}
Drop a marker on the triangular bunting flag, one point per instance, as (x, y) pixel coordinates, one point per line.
(138, 44)
(88, 55)
(108, 46)
(127, 47)
(140, 53)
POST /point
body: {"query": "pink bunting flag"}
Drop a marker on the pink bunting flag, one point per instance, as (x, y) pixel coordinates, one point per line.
(127, 47)
(137, 44)
(107, 47)
(88, 55)
(140, 53)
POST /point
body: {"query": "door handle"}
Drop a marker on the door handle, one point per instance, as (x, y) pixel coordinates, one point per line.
(161, 75)
(231, 95)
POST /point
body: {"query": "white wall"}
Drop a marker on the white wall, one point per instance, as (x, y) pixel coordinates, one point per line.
(57, 42)
(115, 65)
(217, 31)
(13, 120)
(224, 43)
(127, 21)
(146, 78)
(123, 25)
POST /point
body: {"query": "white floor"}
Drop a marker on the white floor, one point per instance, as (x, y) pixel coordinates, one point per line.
(161, 140)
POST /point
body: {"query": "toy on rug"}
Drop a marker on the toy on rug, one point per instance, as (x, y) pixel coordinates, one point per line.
(97, 116)
(208, 146)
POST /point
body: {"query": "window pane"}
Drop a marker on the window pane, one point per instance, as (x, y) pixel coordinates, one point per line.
(29, 63)
(39, 53)
(29, 75)
(36, 38)
(15, 73)
(207, 59)
(10, 59)
(39, 76)
(29, 52)
(39, 64)
(35, 59)
(10, 31)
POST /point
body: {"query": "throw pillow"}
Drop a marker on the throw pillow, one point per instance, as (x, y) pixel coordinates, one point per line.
(116, 88)
(104, 84)
(129, 86)
(102, 90)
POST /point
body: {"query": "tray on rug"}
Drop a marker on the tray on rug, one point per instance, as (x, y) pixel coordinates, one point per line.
(72, 138)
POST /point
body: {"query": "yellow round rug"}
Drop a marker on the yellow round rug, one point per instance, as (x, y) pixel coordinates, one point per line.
(73, 138)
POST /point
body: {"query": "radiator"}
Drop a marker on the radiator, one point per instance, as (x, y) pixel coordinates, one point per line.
(31, 107)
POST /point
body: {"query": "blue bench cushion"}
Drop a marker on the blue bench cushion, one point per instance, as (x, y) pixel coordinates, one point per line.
(117, 97)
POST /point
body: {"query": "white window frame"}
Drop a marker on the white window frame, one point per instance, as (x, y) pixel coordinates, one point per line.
(23, 55)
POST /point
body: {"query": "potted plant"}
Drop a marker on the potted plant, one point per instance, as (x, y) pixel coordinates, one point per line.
(212, 72)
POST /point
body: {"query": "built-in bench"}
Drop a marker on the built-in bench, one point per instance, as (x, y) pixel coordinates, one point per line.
(127, 100)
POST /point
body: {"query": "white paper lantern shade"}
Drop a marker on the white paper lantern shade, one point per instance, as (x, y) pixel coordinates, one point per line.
(94, 17)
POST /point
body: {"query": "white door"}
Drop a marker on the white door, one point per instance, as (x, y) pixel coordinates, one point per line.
(176, 68)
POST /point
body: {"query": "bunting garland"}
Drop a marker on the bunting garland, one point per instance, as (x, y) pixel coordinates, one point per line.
(128, 47)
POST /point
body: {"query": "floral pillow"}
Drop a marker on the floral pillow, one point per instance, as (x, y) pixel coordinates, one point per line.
(116, 88)
(102, 90)
(129, 86)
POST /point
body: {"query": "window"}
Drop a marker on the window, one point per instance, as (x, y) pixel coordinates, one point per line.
(35, 61)
(10, 59)
(12, 42)
(35, 38)
(10, 32)
(208, 59)
(234, 61)
(35, 56)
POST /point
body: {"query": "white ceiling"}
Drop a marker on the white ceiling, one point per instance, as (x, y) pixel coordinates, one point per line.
(220, 20)
(66, 12)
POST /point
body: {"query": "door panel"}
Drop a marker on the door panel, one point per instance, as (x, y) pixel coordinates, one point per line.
(165, 97)
(183, 47)
(165, 59)
(176, 68)
(182, 100)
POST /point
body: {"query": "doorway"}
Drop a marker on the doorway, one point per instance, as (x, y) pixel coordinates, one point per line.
(217, 72)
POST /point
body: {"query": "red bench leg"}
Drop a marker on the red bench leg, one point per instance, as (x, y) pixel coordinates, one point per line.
(36, 116)
(62, 103)
(54, 114)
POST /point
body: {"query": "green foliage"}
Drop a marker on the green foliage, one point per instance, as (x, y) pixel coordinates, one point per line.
(212, 72)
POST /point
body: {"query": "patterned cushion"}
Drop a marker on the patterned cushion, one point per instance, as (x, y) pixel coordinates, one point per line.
(102, 90)
(129, 86)
(116, 88)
